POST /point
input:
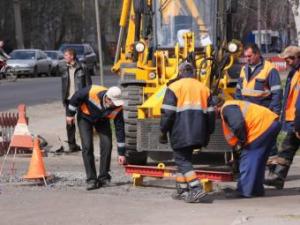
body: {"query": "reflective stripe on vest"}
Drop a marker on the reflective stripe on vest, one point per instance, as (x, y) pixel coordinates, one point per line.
(248, 87)
(257, 120)
(290, 108)
(93, 98)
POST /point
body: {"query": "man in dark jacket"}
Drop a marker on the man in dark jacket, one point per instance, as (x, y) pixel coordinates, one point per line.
(74, 78)
(259, 83)
(290, 119)
(189, 119)
(95, 106)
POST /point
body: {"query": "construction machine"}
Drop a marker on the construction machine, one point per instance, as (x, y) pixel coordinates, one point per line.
(155, 37)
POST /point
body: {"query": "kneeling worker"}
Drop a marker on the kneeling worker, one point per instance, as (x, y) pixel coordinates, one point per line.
(250, 129)
(187, 117)
(95, 106)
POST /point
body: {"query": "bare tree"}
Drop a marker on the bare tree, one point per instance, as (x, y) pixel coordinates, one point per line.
(296, 11)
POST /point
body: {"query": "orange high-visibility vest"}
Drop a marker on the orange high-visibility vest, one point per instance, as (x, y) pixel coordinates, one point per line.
(94, 99)
(257, 118)
(190, 100)
(248, 87)
(290, 108)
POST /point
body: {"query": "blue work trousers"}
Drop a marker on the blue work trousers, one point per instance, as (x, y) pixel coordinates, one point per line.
(253, 162)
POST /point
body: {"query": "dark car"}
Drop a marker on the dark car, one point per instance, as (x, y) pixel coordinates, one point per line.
(57, 59)
(85, 54)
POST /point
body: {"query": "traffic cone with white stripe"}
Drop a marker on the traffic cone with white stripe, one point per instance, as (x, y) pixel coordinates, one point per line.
(21, 137)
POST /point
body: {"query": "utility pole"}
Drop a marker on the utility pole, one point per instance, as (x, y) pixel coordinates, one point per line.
(99, 41)
(259, 23)
(83, 20)
(288, 22)
(18, 24)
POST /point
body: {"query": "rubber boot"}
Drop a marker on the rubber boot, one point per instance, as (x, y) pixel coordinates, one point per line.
(277, 178)
(195, 195)
(196, 192)
(181, 191)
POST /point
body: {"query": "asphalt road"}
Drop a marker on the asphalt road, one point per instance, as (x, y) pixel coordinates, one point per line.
(65, 200)
(34, 91)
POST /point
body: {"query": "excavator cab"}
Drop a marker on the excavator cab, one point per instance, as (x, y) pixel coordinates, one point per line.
(173, 18)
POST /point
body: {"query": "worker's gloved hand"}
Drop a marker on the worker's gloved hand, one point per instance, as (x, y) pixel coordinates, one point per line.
(238, 147)
(163, 138)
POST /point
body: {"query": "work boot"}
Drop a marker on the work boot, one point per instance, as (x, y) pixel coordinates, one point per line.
(196, 192)
(277, 178)
(275, 181)
(181, 192)
(232, 193)
(73, 149)
(92, 185)
(195, 196)
(104, 181)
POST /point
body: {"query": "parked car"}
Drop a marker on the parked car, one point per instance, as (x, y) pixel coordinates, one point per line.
(31, 62)
(85, 54)
(57, 59)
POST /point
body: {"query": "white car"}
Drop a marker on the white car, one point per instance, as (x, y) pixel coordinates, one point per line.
(30, 62)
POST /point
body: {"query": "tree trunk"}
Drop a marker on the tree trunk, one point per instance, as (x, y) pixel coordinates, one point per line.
(18, 24)
(296, 11)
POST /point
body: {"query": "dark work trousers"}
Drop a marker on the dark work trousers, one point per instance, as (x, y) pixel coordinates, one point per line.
(290, 145)
(274, 149)
(71, 130)
(183, 159)
(86, 134)
(253, 162)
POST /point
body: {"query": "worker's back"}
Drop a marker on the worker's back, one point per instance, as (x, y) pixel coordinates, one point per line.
(186, 103)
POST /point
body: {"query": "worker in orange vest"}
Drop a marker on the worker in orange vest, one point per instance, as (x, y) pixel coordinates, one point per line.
(95, 106)
(290, 119)
(250, 129)
(259, 83)
(188, 117)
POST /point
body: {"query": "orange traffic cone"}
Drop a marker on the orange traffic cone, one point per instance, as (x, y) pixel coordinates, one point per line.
(21, 137)
(36, 167)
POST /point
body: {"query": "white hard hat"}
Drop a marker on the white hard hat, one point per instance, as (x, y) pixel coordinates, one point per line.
(114, 94)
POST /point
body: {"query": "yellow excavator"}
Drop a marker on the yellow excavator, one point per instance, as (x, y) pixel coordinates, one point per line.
(155, 37)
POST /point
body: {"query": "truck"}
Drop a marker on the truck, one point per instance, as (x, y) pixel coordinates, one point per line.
(155, 37)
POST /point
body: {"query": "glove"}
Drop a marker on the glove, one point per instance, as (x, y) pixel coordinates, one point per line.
(237, 148)
(163, 138)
